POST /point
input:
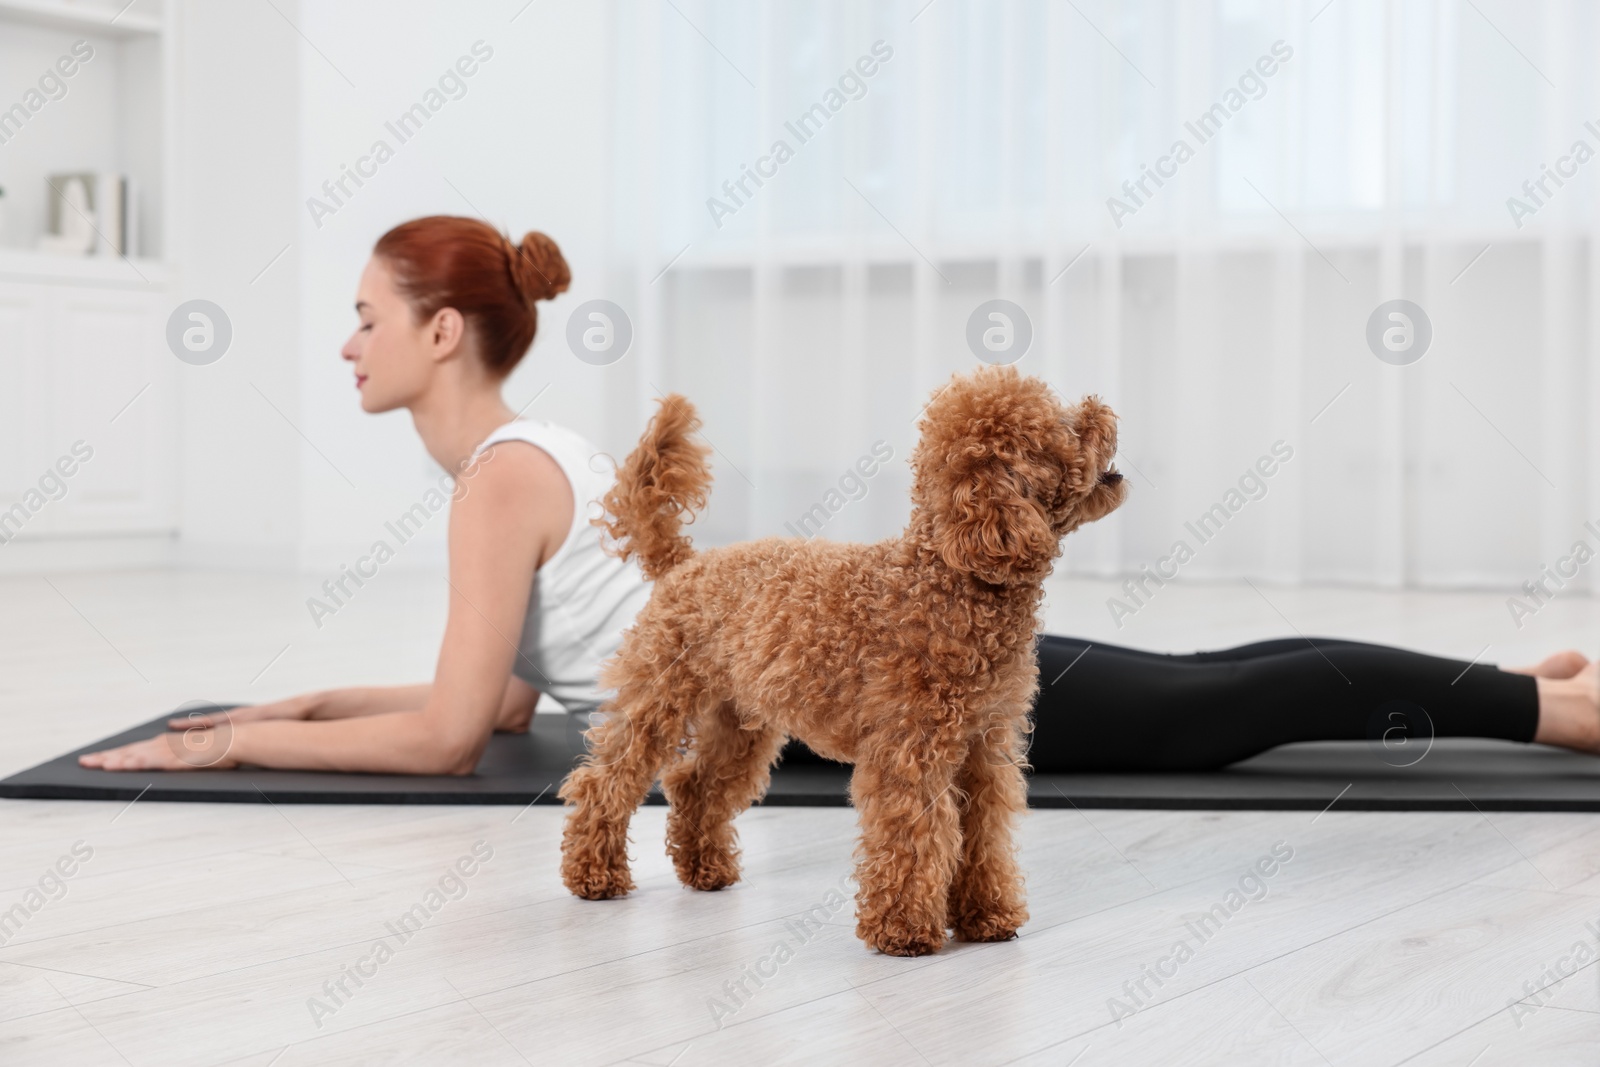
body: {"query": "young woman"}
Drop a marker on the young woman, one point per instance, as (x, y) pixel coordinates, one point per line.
(448, 307)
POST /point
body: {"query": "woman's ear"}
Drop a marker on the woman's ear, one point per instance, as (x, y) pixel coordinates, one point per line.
(987, 527)
(447, 334)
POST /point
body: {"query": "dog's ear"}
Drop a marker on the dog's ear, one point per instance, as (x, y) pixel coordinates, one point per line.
(984, 523)
(1097, 436)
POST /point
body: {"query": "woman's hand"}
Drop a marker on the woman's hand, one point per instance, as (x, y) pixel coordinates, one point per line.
(197, 741)
(196, 749)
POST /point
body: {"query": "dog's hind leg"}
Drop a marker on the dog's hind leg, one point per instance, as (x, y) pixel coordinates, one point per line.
(987, 901)
(627, 750)
(910, 845)
(728, 770)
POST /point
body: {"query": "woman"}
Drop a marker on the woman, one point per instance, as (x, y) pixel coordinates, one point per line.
(448, 308)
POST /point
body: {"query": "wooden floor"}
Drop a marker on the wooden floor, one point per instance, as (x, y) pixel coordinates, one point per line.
(210, 934)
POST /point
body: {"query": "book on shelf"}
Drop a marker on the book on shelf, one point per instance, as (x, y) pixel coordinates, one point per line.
(92, 213)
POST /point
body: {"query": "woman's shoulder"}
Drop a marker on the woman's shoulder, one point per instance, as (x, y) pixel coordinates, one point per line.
(560, 441)
(524, 429)
(512, 497)
(511, 476)
(589, 470)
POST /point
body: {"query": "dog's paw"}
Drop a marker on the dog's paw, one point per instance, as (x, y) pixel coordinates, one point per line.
(896, 939)
(996, 927)
(705, 870)
(595, 881)
(987, 909)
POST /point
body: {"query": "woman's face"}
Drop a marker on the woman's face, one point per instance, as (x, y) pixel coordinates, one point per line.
(392, 354)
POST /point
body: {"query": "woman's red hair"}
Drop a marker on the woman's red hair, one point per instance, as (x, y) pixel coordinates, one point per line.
(447, 261)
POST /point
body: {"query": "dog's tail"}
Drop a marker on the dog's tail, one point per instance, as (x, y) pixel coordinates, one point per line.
(662, 480)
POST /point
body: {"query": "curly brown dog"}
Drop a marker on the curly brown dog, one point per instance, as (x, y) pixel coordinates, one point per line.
(912, 658)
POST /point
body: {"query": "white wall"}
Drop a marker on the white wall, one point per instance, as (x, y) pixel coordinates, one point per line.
(238, 147)
(817, 323)
(525, 147)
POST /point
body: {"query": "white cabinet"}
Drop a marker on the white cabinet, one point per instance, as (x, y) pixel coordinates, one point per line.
(87, 396)
(83, 355)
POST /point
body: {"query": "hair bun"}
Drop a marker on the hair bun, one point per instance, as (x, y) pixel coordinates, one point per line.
(538, 267)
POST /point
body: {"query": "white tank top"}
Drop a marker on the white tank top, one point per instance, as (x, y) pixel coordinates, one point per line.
(582, 599)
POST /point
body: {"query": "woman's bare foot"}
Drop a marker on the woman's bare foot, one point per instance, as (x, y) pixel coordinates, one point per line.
(1569, 711)
(1565, 664)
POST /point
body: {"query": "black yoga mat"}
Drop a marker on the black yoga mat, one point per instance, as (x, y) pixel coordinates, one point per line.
(1455, 774)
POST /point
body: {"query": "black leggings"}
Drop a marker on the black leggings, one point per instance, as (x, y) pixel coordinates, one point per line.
(1102, 708)
(1105, 708)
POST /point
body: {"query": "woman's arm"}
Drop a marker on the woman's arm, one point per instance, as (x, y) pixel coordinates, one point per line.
(356, 702)
(515, 706)
(325, 704)
(517, 516)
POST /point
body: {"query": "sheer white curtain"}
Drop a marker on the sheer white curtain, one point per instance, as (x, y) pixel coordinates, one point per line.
(1342, 155)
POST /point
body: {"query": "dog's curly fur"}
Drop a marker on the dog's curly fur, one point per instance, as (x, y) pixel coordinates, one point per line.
(912, 658)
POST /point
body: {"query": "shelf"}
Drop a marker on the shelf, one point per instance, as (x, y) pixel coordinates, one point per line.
(21, 265)
(90, 18)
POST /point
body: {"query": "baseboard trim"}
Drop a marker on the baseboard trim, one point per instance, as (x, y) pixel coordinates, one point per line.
(88, 553)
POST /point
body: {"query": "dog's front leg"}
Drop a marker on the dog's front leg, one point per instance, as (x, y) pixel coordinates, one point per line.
(987, 900)
(910, 847)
